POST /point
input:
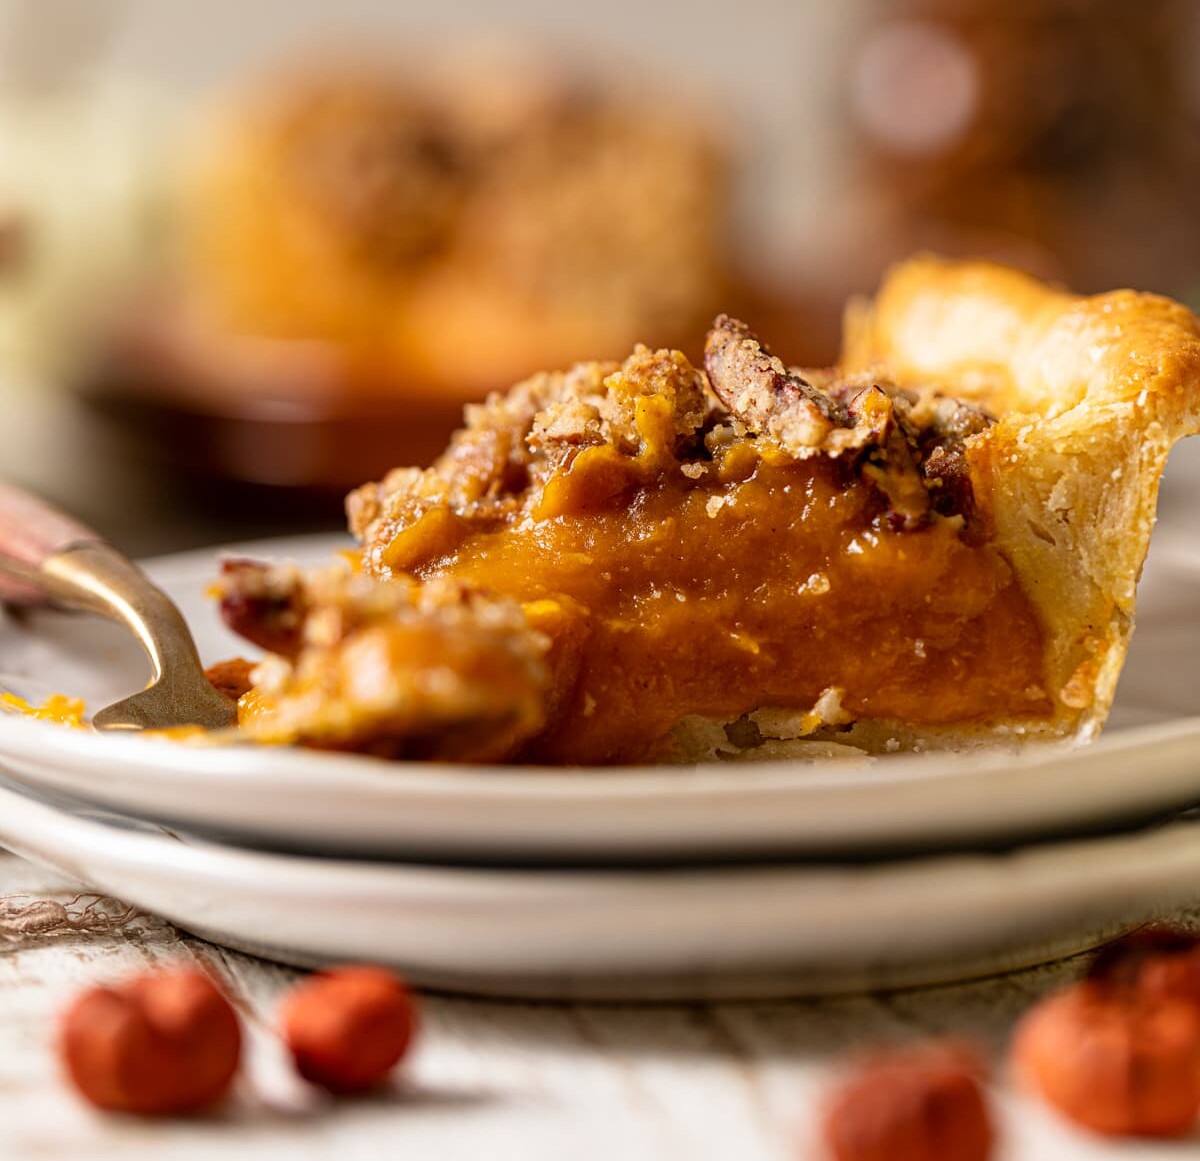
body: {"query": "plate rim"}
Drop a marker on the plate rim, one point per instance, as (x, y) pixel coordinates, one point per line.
(1101, 891)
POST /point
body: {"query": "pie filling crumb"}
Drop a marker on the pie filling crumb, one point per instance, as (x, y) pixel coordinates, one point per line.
(57, 708)
(664, 544)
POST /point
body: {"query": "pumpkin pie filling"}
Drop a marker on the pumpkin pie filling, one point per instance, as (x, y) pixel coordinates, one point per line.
(716, 598)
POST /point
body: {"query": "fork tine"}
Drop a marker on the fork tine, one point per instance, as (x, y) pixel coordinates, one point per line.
(163, 705)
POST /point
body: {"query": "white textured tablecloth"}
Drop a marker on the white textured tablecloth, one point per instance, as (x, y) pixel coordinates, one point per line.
(528, 1082)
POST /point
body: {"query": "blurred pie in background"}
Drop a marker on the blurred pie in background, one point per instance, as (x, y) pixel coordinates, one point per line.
(357, 250)
(454, 229)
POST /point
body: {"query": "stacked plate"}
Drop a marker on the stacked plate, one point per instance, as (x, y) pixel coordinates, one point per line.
(727, 880)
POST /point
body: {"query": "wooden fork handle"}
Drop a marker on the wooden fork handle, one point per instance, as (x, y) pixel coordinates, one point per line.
(31, 532)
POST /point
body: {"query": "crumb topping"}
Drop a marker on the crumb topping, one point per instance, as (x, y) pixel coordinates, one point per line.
(521, 454)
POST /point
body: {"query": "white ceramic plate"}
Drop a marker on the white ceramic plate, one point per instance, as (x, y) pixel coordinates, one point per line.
(1148, 763)
(607, 934)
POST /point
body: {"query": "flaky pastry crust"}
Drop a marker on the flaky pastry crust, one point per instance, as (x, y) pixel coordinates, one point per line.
(1091, 393)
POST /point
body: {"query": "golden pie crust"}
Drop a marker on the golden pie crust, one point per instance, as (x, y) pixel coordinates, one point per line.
(1091, 394)
(936, 543)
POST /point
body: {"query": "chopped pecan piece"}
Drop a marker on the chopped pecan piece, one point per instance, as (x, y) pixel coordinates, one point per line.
(892, 467)
(908, 445)
(262, 603)
(937, 427)
(769, 398)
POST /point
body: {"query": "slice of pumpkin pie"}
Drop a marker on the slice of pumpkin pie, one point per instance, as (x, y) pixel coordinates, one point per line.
(936, 542)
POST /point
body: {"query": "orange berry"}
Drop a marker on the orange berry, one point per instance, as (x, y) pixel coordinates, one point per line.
(348, 1027)
(923, 1103)
(1113, 1060)
(159, 1044)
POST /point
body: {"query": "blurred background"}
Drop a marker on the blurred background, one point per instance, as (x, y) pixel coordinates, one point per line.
(252, 254)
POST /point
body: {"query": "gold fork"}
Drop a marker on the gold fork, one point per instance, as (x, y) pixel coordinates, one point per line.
(48, 558)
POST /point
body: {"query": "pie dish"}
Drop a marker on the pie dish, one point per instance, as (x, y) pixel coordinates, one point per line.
(936, 543)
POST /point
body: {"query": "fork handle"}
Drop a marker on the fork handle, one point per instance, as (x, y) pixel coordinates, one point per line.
(47, 558)
(31, 532)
